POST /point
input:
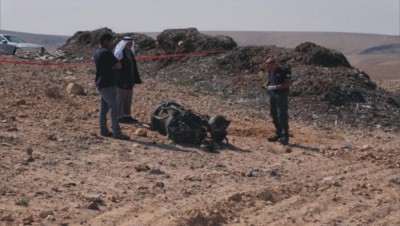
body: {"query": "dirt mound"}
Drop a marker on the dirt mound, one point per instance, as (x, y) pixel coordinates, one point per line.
(321, 56)
(83, 43)
(190, 40)
(252, 58)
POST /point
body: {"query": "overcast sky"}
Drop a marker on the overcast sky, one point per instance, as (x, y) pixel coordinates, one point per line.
(68, 16)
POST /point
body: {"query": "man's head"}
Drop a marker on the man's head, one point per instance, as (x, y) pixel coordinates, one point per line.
(129, 42)
(271, 64)
(106, 40)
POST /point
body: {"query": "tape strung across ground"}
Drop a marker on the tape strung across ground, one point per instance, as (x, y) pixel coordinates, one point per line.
(153, 57)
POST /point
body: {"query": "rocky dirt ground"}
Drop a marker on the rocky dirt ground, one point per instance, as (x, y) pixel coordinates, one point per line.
(326, 176)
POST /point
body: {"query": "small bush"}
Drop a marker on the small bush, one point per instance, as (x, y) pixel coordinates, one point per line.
(22, 202)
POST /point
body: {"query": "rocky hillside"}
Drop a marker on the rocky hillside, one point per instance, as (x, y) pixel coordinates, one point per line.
(326, 90)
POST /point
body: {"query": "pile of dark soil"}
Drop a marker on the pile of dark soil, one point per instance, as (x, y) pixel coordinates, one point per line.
(83, 43)
(191, 40)
(252, 58)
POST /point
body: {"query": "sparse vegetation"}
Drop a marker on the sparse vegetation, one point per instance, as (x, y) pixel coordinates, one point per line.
(23, 201)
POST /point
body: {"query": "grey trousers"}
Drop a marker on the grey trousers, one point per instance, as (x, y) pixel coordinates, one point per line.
(108, 102)
(124, 102)
(279, 106)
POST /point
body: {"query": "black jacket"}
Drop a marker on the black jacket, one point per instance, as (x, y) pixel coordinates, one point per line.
(127, 76)
(105, 60)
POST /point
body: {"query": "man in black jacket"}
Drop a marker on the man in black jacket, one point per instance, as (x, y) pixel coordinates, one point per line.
(279, 81)
(106, 64)
(127, 77)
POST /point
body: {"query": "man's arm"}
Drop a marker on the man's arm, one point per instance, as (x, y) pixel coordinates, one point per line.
(116, 65)
(266, 84)
(285, 85)
(288, 80)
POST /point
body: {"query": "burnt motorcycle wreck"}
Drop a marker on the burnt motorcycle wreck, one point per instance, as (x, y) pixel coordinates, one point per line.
(186, 127)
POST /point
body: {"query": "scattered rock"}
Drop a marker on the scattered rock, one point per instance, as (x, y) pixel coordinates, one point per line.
(160, 184)
(157, 172)
(46, 213)
(70, 185)
(21, 102)
(94, 206)
(141, 168)
(29, 151)
(8, 218)
(50, 218)
(253, 173)
(395, 181)
(52, 137)
(366, 148)
(141, 132)
(94, 198)
(337, 184)
(28, 219)
(142, 187)
(192, 178)
(236, 197)
(348, 145)
(274, 173)
(219, 165)
(75, 89)
(266, 195)
(288, 150)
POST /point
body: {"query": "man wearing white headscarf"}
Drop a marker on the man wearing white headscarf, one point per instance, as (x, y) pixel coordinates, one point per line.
(127, 77)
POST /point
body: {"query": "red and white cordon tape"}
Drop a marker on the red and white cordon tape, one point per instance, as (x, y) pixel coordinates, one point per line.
(46, 63)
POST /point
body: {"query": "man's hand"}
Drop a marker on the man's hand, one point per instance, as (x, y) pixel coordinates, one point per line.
(117, 66)
(266, 84)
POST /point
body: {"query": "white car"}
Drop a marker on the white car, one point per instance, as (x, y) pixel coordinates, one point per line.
(9, 44)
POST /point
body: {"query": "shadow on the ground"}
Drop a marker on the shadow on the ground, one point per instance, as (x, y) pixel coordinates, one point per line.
(160, 145)
(231, 147)
(217, 148)
(303, 147)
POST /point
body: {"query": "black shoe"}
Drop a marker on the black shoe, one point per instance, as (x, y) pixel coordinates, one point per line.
(124, 120)
(274, 138)
(131, 120)
(121, 137)
(106, 134)
(284, 140)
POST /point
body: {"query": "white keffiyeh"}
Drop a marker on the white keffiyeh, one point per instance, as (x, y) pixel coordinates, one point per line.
(119, 49)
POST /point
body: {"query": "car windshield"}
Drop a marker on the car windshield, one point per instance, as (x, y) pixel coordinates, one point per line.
(13, 39)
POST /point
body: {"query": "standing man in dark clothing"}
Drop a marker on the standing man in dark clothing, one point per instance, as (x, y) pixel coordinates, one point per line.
(127, 77)
(279, 81)
(106, 64)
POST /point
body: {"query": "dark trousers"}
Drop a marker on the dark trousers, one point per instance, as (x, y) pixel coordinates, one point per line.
(124, 102)
(108, 102)
(279, 105)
